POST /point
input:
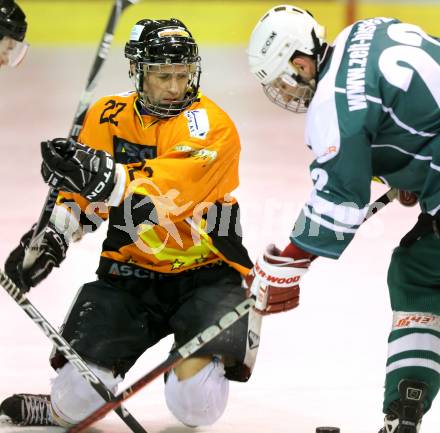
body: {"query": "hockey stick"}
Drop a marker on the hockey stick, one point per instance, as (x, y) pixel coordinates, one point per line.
(84, 103)
(382, 201)
(66, 349)
(176, 355)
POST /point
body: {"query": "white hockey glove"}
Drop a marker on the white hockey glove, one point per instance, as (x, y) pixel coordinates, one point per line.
(274, 281)
(73, 167)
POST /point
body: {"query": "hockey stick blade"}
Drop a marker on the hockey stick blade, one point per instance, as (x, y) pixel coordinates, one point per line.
(101, 56)
(174, 358)
(66, 349)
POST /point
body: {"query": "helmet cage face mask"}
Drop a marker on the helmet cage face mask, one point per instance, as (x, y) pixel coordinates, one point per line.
(157, 43)
(290, 92)
(161, 110)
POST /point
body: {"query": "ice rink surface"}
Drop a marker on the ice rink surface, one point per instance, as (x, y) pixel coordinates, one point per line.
(321, 364)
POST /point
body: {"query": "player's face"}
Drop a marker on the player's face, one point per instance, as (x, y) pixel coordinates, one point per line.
(291, 89)
(167, 84)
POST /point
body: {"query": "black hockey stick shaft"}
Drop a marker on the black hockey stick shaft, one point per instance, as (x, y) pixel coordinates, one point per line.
(66, 349)
(380, 202)
(101, 56)
(176, 355)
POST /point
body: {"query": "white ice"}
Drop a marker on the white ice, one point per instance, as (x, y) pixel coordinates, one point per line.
(321, 364)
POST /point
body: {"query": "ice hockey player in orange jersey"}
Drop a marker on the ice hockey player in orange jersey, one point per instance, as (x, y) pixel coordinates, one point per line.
(159, 163)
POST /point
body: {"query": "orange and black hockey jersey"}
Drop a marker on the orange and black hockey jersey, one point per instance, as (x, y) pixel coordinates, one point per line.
(180, 170)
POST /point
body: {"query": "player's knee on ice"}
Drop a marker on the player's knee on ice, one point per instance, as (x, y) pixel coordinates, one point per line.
(200, 399)
(73, 398)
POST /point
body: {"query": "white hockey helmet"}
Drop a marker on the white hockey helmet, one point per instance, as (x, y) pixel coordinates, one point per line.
(281, 33)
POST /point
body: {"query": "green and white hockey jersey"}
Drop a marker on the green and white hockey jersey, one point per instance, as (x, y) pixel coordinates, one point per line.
(376, 112)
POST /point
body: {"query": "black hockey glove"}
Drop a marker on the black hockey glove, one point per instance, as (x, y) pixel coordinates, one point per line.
(426, 224)
(73, 167)
(52, 252)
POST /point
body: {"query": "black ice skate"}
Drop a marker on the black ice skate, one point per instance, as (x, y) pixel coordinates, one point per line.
(28, 409)
(405, 415)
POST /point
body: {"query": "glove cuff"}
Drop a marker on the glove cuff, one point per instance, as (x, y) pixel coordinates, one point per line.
(117, 194)
(103, 182)
(278, 275)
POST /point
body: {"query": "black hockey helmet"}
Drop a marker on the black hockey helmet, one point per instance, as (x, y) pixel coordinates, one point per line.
(12, 20)
(163, 42)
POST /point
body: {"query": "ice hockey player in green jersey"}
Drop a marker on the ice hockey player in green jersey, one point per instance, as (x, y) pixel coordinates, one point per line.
(372, 100)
